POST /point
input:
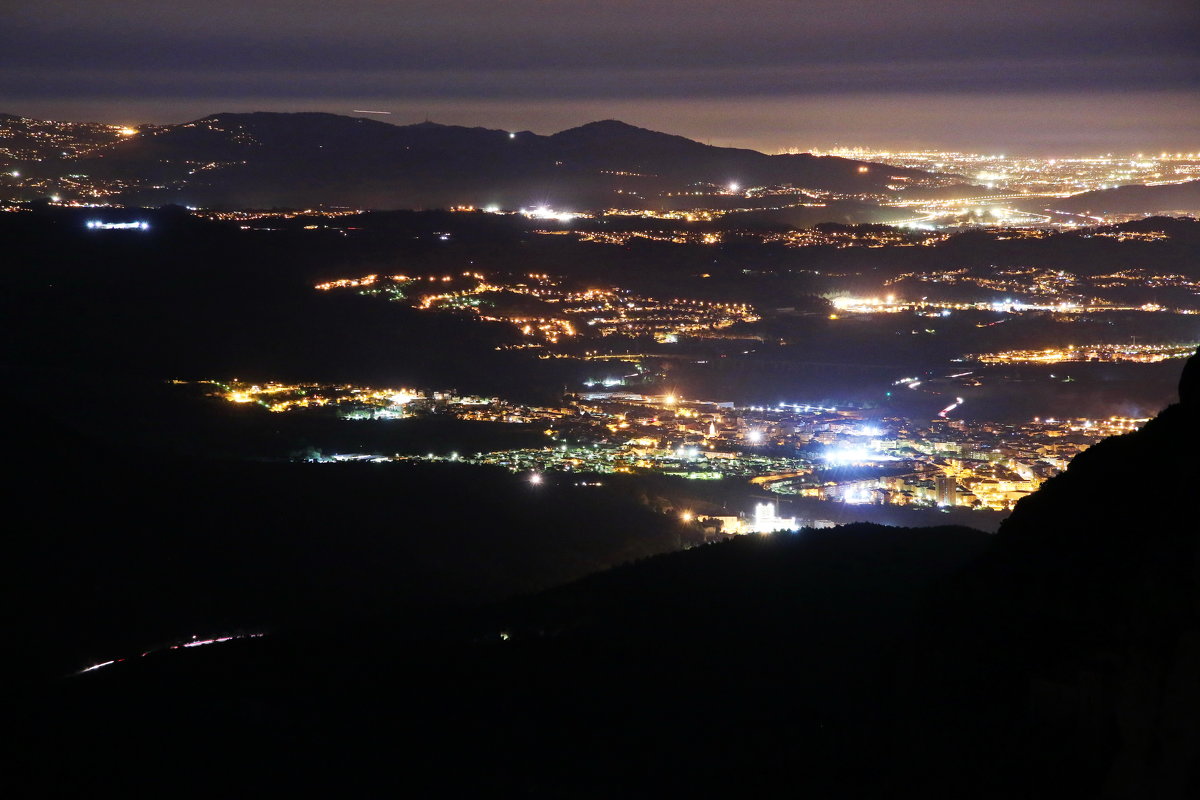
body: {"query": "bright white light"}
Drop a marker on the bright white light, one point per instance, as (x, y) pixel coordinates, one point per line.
(535, 478)
(492, 209)
(117, 226)
(765, 520)
(512, 136)
(401, 398)
(733, 187)
(545, 212)
(958, 401)
(754, 437)
(202, 642)
(854, 455)
(15, 174)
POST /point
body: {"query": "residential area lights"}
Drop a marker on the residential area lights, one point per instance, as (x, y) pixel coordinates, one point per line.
(1134, 353)
(577, 311)
(786, 449)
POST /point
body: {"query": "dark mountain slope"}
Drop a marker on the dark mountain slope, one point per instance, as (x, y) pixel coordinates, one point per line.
(1056, 659)
(1087, 613)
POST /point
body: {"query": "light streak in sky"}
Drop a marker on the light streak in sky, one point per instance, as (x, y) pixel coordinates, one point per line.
(958, 401)
(194, 642)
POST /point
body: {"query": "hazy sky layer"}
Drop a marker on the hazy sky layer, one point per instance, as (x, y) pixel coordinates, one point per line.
(1044, 77)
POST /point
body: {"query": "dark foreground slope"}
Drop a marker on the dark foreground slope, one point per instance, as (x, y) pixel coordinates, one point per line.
(730, 666)
(1056, 659)
(1081, 626)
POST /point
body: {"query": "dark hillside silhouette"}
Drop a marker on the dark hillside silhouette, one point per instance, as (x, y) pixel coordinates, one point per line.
(1055, 659)
(268, 159)
(1086, 612)
(1174, 197)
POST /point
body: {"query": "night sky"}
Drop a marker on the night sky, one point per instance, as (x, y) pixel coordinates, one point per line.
(1037, 77)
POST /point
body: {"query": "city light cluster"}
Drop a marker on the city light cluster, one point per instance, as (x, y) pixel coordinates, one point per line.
(789, 448)
(1028, 174)
(548, 309)
(1133, 353)
(354, 401)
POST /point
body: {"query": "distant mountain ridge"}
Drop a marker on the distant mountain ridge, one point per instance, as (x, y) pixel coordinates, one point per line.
(266, 159)
(1162, 199)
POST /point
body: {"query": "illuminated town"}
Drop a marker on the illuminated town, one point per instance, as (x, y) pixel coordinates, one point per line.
(1110, 353)
(832, 454)
(543, 308)
(1055, 283)
(1058, 304)
(1062, 176)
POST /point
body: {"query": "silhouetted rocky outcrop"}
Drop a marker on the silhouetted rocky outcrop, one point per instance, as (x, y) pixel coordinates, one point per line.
(1078, 636)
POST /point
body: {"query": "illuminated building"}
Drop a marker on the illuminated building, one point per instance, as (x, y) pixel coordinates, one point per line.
(947, 489)
(766, 521)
